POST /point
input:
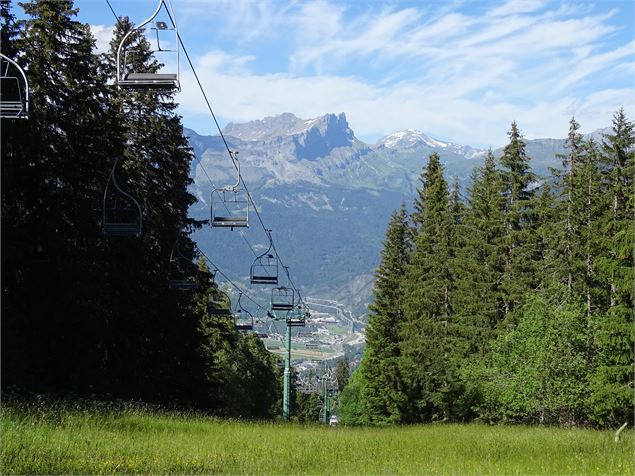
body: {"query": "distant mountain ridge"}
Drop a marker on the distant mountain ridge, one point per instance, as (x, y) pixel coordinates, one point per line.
(327, 195)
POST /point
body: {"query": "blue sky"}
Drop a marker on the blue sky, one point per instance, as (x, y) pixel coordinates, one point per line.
(457, 70)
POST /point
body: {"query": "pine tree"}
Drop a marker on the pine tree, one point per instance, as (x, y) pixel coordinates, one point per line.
(569, 240)
(51, 170)
(380, 394)
(519, 218)
(479, 265)
(612, 398)
(587, 206)
(428, 287)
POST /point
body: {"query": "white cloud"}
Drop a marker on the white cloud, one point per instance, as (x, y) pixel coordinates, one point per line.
(375, 111)
(513, 7)
(456, 74)
(103, 35)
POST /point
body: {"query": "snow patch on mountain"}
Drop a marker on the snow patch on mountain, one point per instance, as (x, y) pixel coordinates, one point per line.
(410, 138)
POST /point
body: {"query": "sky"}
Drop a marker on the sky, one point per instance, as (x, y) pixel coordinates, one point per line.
(459, 71)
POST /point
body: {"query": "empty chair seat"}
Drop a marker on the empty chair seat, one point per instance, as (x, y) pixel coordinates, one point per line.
(121, 213)
(121, 229)
(127, 77)
(182, 284)
(14, 90)
(150, 81)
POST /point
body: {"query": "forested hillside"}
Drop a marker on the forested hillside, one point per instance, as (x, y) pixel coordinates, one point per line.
(89, 314)
(514, 304)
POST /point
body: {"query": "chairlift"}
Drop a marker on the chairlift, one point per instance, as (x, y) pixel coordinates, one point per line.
(264, 269)
(128, 77)
(230, 204)
(220, 307)
(243, 319)
(282, 299)
(14, 90)
(121, 213)
(183, 271)
(297, 317)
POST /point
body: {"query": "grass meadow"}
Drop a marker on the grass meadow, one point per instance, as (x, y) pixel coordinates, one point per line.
(45, 440)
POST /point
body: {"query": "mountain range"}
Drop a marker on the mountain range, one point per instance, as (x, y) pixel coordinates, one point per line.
(326, 195)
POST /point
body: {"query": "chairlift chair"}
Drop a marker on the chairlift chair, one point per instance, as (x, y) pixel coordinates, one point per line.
(264, 269)
(127, 78)
(121, 213)
(220, 307)
(243, 319)
(243, 324)
(183, 271)
(14, 90)
(230, 204)
(297, 317)
(230, 208)
(282, 299)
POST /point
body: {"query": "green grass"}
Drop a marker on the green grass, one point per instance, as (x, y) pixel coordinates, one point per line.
(138, 441)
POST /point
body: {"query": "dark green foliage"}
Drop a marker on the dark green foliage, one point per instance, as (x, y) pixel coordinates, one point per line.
(90, 314)
(424, 347)
(519, 222)
(480, 261)
(381, 389)
(537, 372)
(518, 304)
(612, 385)
(349, 409)
(342, 373)
(307, 407)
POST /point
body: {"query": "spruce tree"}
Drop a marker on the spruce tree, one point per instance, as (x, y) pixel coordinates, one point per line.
(53, 298)
(380, 394)
(612, 384)
(519, 219)
(428, 288)
(479, 265)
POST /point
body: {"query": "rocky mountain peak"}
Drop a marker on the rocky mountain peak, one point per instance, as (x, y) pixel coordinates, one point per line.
(287, 124)
(307, 138)
(410, 138)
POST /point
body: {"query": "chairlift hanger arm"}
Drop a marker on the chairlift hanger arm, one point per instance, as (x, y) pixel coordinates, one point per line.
(22, 111)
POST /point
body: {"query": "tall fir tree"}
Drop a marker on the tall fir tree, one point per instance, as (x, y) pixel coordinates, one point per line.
(52, 183)
(428, 286)
(381, 395)
(519, 218)
(480, 261)
(612, 384)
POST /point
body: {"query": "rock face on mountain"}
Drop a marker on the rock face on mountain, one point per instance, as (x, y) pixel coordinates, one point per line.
(308, 139)
(327, 195)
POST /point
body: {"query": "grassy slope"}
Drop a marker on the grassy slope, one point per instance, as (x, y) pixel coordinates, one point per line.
(140, 442)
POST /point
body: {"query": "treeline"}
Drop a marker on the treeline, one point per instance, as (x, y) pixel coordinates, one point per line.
(87, 314)
(513, 305)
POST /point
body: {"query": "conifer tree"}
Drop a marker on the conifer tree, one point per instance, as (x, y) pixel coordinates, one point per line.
(569, 239)
(51, 170)
(480, 260)
(380, 394)
(587, 206)
(520, 273)
(612, 398)
(427, 304)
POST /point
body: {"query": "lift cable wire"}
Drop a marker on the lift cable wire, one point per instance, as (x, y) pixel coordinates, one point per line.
(220, 131)
(242, 234)
(229, 151)
(228, 280)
